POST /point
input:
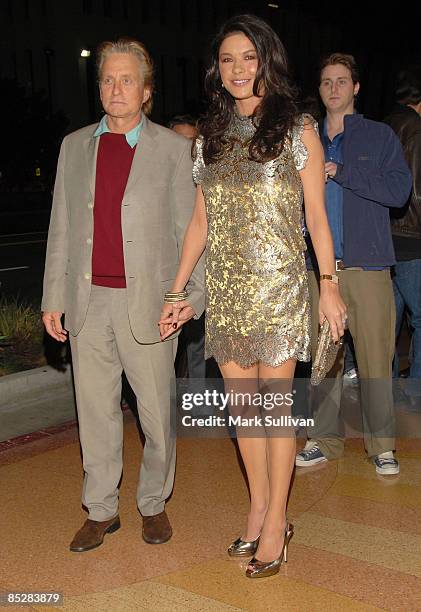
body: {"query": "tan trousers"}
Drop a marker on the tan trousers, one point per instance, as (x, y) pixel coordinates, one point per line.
(368, 296)
(103, 348)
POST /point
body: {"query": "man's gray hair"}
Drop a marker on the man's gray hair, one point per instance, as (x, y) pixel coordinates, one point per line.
(133, 47)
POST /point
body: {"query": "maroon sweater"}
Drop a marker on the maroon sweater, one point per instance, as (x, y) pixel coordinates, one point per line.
(113, 165)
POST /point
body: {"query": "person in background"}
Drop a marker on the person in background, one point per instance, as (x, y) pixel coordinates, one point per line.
(350, 363)
(366, 175)
(185, 125)
(405, 120)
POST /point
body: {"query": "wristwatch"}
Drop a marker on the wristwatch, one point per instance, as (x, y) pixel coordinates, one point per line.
(332, 277)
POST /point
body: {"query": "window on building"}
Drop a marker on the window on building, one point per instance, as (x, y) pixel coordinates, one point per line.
(29, 70)
(162, 89)
(120, 9)
(187, 12)
(201, 71)
(199, 14)
(49, 59)
(87, 7)
(108, 8)
(182, 78)
(15, 65)
(10, 9)
(144, 11)
(162, 12)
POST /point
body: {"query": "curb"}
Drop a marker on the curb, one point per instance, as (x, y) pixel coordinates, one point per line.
(29, 383)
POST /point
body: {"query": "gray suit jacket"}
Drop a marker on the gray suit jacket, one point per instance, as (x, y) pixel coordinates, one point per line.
(156, 209)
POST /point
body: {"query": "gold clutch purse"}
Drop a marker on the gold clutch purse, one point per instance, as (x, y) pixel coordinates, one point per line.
(326, 353)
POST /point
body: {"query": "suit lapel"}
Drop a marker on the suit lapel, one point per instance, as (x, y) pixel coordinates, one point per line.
(91, 152)
(144, 157)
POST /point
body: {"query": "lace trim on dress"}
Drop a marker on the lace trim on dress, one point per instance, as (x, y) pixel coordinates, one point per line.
(299, 150)
(198, 162)
(246, 352)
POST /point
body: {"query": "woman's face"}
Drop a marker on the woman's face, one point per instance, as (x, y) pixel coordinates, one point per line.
(238, 66)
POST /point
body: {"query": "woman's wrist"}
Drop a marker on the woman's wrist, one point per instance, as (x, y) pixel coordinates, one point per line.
(330, 278)
(328, 286)
(177, 288)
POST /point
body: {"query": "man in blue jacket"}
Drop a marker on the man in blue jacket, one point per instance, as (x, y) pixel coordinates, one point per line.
(366, 175)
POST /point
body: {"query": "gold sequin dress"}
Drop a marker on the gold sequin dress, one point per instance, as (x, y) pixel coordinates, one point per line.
(257, 300)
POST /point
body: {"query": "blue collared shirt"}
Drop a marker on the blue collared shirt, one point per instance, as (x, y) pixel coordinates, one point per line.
(132, 137)
(334, 192)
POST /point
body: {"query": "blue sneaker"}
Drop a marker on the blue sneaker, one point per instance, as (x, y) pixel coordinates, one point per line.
(386, 464)
(310, 455)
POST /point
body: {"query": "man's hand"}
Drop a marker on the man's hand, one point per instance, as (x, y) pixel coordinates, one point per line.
(52, 323)
(330, 170)
(173, 316)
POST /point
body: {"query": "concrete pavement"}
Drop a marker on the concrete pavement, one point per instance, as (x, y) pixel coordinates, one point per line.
(34, 400)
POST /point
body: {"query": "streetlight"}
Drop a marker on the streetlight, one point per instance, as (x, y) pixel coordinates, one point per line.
(49, 54)
(86, 67)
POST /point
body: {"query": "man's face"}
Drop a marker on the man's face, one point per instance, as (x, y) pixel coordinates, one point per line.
(121, 86)
(186, 130)
(337, 90)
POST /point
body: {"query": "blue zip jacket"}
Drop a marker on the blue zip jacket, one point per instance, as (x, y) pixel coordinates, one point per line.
(374, 177)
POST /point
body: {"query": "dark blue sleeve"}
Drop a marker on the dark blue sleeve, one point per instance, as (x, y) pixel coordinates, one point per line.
(388, 182)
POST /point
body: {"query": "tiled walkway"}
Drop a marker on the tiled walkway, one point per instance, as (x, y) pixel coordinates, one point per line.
(357, 542)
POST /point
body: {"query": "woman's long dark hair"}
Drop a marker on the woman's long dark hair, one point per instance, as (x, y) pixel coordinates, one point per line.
(277, 111)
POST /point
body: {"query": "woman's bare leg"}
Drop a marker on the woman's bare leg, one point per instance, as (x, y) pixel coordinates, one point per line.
(280, 462)
(253, 449)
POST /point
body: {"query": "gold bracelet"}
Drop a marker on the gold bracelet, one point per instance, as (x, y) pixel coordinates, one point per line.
(171, 297)
(331, 277)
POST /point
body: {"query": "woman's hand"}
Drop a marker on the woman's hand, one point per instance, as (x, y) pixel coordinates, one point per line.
(332, 308)
(330, 169)
(173, 316)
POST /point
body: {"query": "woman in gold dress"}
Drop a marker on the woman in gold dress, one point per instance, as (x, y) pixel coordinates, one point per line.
(254, 160)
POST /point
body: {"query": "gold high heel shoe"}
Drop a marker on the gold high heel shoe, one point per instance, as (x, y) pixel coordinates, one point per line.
(262, 569)
(241, 548)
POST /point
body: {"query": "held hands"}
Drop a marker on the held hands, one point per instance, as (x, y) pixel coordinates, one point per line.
(52, 323)
(173, 316)
(332, 308)
(330, 170)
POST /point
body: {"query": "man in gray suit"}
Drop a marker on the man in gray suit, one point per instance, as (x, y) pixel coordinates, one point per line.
(123, 199)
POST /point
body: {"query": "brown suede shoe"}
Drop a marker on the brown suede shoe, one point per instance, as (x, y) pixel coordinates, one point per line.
(156, 529)
(92, 533)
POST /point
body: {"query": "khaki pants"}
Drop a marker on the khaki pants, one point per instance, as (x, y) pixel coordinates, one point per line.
(103, 348)
(368, 296)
